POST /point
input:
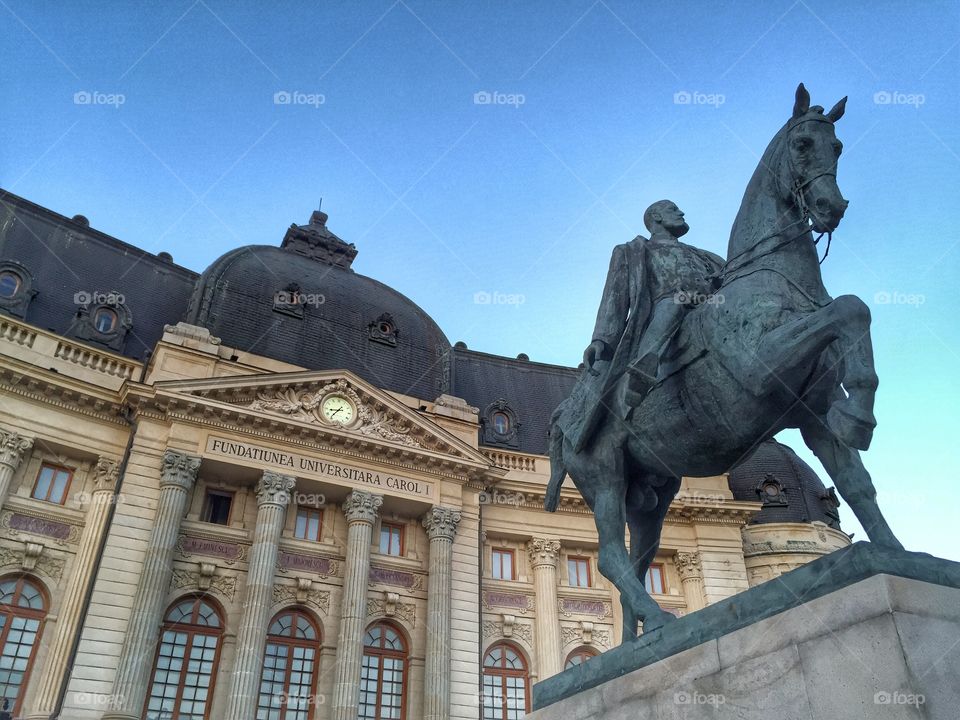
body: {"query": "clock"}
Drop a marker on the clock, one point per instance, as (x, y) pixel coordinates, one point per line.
(337, 409)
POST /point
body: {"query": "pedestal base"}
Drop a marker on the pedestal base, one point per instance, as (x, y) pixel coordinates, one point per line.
(861, 634)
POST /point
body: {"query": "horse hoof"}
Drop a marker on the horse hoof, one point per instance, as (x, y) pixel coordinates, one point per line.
(851, 425)
(652, 623)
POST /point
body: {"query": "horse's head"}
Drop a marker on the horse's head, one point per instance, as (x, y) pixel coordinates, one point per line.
(810, 154)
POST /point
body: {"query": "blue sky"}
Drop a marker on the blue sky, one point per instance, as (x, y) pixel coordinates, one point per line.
(177, 142)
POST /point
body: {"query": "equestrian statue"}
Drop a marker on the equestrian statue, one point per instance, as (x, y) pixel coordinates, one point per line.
(695, 361)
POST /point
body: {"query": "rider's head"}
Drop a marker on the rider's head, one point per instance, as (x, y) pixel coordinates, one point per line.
(664, 215)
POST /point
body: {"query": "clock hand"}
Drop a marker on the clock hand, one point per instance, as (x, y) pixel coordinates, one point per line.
(336, 411)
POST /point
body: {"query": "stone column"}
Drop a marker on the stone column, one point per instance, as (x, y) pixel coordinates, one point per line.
(361, 510)
(544, 555)
(691, 577)
(50, 679)
(12, 448)
(441, 525)
(179, 472)
(273, 496)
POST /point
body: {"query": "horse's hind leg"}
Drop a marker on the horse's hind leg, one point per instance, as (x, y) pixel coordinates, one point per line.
(851, 478)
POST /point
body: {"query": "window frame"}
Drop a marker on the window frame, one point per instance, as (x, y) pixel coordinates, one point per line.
(585, 652)
(66, 488)
(208, 491)
(400, 528)
(292, 642)
(382, 652)
(513, 563)
(662, 570)
(99, 312)
(318, 512)
(191, 629)
(7, 272)
(504, 672)
(575, 560)
(15, 610)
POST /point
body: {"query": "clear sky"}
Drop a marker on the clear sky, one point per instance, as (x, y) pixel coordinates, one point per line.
(505, 148)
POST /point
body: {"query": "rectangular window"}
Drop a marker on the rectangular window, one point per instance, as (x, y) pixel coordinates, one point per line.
(578, 568)
(654, 580)
(502, 568)
(309, 522)
(216, 507)
(391, 539)
(52, 484)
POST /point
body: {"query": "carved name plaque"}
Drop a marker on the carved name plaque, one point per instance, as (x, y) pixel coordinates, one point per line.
(39, 526)
(311, 563)
(189, 545)
(392, 577)
(570, 606)
(307, 466)
(508, 600)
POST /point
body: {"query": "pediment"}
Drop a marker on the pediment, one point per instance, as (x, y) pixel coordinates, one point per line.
(297, 398)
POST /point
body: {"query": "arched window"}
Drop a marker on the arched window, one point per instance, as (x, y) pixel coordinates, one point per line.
(289, 680)
(505, 682)
(578, 657)
(501, 423)
(383, 676)
(22, 609)
(105, 320)
(186, 664)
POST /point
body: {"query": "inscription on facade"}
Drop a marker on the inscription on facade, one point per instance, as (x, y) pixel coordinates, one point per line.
(507, 600)
(317, 467)
(39, 526)
(392, 577)
(189, 545)
(572, 606)
(312, 563)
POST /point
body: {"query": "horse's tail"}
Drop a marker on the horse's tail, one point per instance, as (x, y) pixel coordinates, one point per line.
(558, 470)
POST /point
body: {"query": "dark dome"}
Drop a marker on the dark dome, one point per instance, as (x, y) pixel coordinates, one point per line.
(302, 304)
(789, 488)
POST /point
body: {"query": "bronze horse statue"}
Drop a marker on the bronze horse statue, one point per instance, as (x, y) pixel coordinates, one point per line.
(777, 353)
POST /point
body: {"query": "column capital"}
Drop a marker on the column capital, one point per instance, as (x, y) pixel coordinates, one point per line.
(179, 469)
(105, 474)
(441, 522)
(688, 565)
(362, 506)
(12, 447)
(274, 488)
(543, 552)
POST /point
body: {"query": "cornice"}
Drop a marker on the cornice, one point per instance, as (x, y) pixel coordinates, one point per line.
(59, 391)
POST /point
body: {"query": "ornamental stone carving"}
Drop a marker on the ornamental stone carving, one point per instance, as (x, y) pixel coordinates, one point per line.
(689, 565)
(384, 608)
(288, 595)
(274, 488)
(441, 522)
(12, 447)
(362, 506)
(105, 474)
(179, 469)
(543, 552)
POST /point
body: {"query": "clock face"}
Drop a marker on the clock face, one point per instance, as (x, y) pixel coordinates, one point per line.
(337, 409)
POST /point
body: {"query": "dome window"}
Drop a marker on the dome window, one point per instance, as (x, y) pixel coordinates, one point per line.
(289, 301)
(16, 288)
(771, 491)
(103, 318)
(384, 330)
(500, 425)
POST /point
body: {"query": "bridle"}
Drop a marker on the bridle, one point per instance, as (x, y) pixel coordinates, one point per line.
(799, 184)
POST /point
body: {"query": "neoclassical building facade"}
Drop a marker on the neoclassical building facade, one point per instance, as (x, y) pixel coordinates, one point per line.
(275, 491)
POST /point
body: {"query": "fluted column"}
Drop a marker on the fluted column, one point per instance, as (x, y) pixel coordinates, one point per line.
(441, 525)
(273, 496)
(13, 446)
(544, 555)
(360, 509)
(50, 679)
(690, 570)
(178, 474)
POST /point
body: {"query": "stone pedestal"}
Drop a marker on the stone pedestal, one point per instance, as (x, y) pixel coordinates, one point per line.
(862, 634)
